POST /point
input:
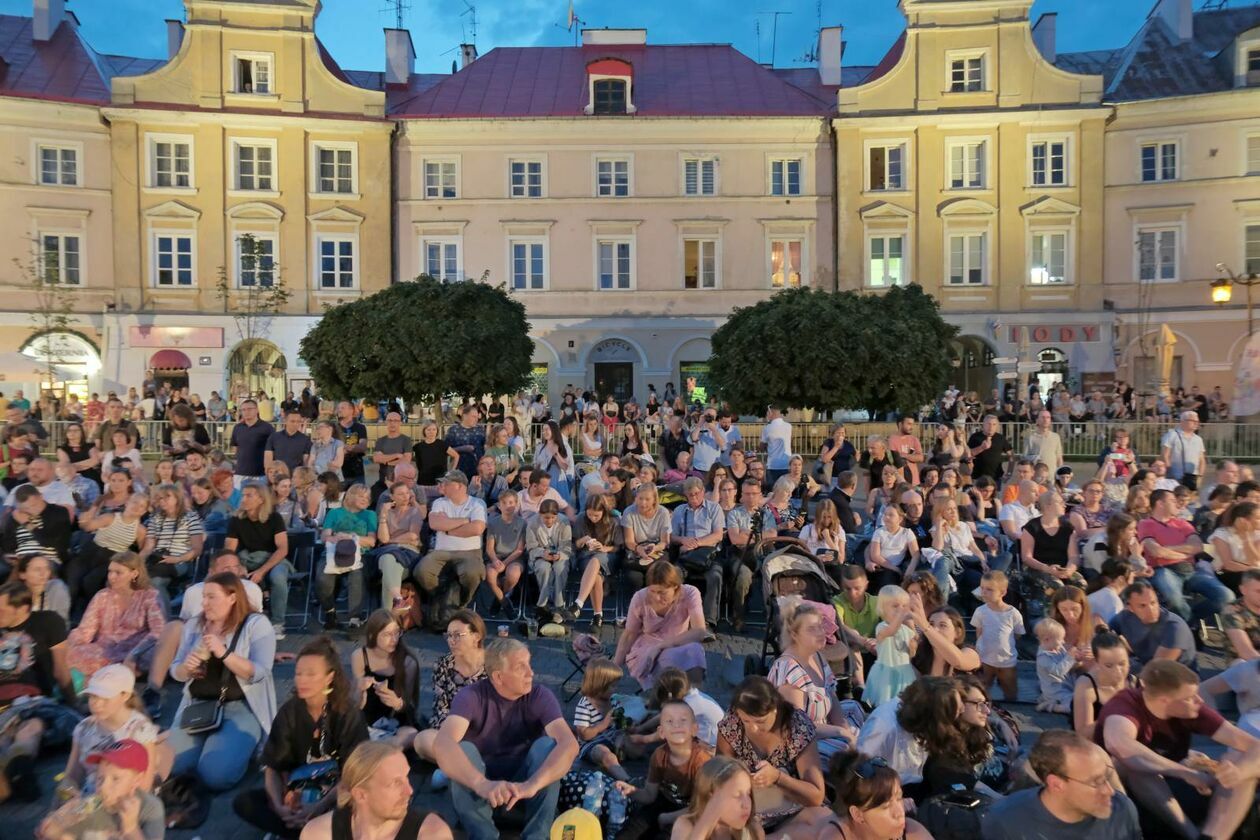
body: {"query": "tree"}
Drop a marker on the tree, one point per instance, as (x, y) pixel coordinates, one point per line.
(807, 348)
(259, 294)
(422, 341)
(53, 301)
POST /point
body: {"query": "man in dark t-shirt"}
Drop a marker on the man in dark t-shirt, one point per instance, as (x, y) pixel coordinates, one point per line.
(989, 450)
(250, 437)
(505, 740)
(354, 436)
(289, 445)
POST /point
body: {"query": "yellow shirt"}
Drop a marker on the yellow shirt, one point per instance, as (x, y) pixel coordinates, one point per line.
(371, 414)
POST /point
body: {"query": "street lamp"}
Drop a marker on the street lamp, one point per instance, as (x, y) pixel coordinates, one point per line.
(1223, 289)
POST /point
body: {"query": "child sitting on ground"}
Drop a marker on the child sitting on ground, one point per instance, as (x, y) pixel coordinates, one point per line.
(671, 773)
(593, 718)
(1054, 667)
(673, 684)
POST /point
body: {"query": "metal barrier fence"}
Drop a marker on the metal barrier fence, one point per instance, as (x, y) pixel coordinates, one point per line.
(1082, 441)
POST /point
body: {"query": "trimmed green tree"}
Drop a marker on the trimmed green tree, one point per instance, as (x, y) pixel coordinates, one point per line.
(808, 348)
(421, 341)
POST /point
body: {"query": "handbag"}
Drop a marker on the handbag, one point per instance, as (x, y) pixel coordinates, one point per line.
(311, 782)
(207, 715)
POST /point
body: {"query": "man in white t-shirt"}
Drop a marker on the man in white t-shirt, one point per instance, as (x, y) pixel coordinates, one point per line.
(596, 482)
(777, 438)
(459, 520)
(1182, 450)
(1013, 516)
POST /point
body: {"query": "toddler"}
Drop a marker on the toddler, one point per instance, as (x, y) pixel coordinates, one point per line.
(593, 718)
(1054, 667)
(997, 624)
(895, 644)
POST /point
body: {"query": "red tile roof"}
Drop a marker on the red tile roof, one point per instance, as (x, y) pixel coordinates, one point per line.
(693, 80)
(64, 68)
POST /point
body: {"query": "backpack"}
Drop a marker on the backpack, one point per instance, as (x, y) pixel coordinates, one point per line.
(185, 801)
(947, 817)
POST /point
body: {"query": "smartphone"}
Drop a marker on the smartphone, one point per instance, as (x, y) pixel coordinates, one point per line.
(962, 798)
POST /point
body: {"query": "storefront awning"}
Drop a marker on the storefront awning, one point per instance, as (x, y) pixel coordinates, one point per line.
(169, 360)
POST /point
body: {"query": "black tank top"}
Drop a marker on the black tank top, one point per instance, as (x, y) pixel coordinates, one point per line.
(409, 830)
(374, 709)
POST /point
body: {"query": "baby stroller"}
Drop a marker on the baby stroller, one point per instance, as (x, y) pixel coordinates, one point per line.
(788, 571)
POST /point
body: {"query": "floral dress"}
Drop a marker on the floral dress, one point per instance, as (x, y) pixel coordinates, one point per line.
(447, 681)
(111, 631)
(773, 810)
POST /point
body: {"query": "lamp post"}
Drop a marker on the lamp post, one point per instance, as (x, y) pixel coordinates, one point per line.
(1223, 289)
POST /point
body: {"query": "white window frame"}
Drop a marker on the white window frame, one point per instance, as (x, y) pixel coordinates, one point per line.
(601, 239)
(868, 149)
(702, 239)
(868, 258)
(59, 146)
(1251, 165)
(589, 110)
(799, 160)
(952, 56)
(457, 242)
(269, 59)
(156, 234)
(238, 268)
(986, 278)
(542, 177)
(424, 177)
(1156, 228)
(151, 157)
(61, 234)
(317, 267)
(786, 238)
(528, 241)
(235, 144)
(1159, 143)
(1048, 140)
(986, 162)
(318, 146)
(1066, 233)
(700, 161)
(1245, 262)
(628, 160)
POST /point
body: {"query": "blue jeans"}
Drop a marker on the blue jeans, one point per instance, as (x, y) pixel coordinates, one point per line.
(219, 758)
(1172, 586)
(475, 813)
(277, 580)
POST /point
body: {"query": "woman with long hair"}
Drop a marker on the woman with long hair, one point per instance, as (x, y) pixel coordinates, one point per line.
(174, 537)
(954, 733)
(591, 438)
(595, 538)
(507, 462)
(122, 622)
(386, 675)
(80, 453)
(721, 804)
(947, 449)
(314, 732)
(119, 487)
(112, 533)
(210, 509)
(554, 456)
(1122, 543)
(882, 492)
(632, 440)
(1107, 675)
(869, 802)
(946, 652)
(1234, 539)
(257, 535)
(824, 537)
(182, 433)
(48, 592)
(1070, 607)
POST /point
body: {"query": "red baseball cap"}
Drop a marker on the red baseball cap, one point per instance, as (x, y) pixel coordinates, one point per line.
(127, 754)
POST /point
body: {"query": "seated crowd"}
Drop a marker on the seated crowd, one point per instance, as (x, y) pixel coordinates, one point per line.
(876, 704)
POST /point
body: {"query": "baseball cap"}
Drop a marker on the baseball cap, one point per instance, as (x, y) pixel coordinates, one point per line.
(576, 824)
(456, 476)
(127, 754)
(111, 681)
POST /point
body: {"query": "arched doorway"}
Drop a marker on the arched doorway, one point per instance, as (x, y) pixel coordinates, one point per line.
(973, 361)
(612, 368)
(73, 360)
(170, 367)
(257, 365)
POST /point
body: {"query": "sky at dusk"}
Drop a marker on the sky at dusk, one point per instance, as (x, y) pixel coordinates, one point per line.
(352, 29)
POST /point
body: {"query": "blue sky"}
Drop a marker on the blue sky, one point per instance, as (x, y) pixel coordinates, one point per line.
(352, 29)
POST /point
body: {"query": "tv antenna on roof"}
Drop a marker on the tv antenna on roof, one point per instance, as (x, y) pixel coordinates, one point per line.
(1213, 5)
(400, 8)
(774, 33)
(471, 11)
(811, 54)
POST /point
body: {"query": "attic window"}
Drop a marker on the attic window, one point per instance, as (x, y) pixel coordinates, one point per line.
(610, 96)
(253, 73)
(611, 87)
(1253, 66)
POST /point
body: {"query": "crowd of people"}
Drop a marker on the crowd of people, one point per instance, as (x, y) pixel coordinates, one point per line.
(940, 557)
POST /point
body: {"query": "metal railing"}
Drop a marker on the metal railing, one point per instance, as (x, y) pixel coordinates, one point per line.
(1082, 441)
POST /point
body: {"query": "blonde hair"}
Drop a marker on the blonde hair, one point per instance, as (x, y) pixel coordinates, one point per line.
(602, 675)
(888, 596)
(360, 767)
(1049, 625)
(995, 576)
(793, 616)
(132, 561)
(265, 507)
(169, 490)
(715, 772)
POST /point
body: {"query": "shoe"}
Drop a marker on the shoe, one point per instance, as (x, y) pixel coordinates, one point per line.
(152, 699)
(496, 610)
(23, 780)
(330, 620)
(597, 621)
(557, 617)
(571, 612)
(438, 781)
(279, 628)
(354, 623)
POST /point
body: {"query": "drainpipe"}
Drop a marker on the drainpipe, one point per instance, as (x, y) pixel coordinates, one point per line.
(394, 235)
(834, 145)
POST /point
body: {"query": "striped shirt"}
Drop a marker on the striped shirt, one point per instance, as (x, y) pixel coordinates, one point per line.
(586, 714)
(174, 536)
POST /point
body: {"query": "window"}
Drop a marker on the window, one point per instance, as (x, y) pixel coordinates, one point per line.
(615, 263)
(1159, 161)
(785, 262)
(1253, 64)
(699, 263)
(440, 179)
(699, 176)
(1049, 259)
(59, 258)
(886, 266)
(336, 169)
(255, 260)
(59, 165)
(526, 178)
(529, 264)
(966, 74)
(1251, 244)
(254, 166)
(612, 178)
(172, 163)
(253, 74)
(967, 259)
(785, 176)
(336, 263)
(441, 259)
(1049, 163)
(1157, 254)
(609, 96)
(1253, 154)
(967, 165)
(887, 168)
(173, 259)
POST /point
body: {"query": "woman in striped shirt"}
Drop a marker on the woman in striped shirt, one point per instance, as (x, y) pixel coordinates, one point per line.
(173, 539)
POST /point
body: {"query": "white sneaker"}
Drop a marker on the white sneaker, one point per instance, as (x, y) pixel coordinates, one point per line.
(279, 628)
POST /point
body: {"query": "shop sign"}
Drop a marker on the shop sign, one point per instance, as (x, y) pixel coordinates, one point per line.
(1057, 333)
(151, 336)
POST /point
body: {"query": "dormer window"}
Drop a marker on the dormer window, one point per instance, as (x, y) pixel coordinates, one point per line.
(1253, 67)
(610, 96)
(252, 73)
(611, 87)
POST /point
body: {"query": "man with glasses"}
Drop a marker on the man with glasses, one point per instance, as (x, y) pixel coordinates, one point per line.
(757, 472)
(1076, 800)
(1147, 731)
(1183, 451)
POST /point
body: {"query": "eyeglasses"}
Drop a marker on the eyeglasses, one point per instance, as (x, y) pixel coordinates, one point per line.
(979, 704)
(866, 770)
(455, 637)
(1103, 781)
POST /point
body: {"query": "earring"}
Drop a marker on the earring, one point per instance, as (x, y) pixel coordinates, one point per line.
(328, 691)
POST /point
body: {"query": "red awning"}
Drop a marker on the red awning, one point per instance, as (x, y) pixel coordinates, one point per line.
(169, 360)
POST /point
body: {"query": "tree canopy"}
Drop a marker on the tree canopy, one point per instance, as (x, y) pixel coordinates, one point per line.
(421, 341)
(808, 348)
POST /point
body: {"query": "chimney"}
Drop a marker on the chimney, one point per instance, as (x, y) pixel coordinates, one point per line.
(1043, 35)
(830, 54)
(46, 17)
(174, 37)
(400, 56)
(1178, 16)
(467, 55)
(614, 37)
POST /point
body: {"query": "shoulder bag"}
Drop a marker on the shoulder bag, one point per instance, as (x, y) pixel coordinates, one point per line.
(207, 715)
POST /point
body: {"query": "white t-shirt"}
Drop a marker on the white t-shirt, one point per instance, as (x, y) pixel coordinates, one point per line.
(1184, 452)
(1017, 513)
(996, 640)
(777, 436)
(91, 737)
(191, 608)
(1105, 603)
(894, 548)
(810, 536)
(708, 714)
(472, 509)
(958, 538)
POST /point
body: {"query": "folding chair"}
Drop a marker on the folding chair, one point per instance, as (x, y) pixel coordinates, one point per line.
(302, 545)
